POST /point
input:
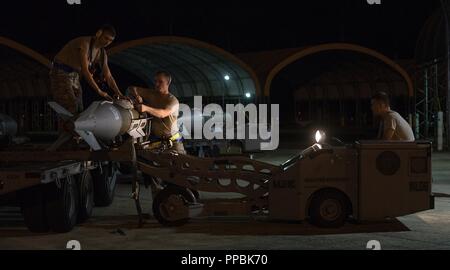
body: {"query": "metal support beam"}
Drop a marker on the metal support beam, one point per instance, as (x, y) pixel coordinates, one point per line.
(446, 7)
(430, 94)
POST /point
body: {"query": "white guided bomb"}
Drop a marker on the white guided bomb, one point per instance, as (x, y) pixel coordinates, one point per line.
(104, 120)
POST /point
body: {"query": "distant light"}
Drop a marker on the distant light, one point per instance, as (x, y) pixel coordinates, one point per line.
(248, 95)
(227, 78)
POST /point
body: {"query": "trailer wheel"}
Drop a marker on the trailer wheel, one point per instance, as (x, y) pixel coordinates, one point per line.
(170, 206)
(105, 184)
(33, 209)
(86, 196)
(328, 209)
(62, 204)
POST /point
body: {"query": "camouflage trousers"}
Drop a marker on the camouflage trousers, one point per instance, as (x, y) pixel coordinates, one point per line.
(66, 90)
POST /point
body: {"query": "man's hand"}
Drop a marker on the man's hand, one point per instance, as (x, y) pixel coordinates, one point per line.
(120, 96)
(135, 94)
(105, 96)
(140, 108)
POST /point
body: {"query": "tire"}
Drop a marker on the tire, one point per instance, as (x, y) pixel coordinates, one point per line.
(86, 188)
(32, 204)
(329, 209)
(105, 179)
(171, 196)
(62, 205)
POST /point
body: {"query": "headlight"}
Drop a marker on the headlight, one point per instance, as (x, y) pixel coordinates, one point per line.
(320, 136)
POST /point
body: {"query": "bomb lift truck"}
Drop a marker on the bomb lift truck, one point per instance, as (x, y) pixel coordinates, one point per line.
(365, 181)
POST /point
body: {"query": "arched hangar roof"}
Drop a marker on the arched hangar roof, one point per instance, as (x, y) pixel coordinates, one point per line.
(23, 71)
(198, 68)
(275, 61)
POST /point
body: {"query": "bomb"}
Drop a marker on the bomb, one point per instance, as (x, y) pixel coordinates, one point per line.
(104, 121)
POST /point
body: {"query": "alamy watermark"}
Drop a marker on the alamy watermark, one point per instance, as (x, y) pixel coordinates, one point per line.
(249, 122)
(73, 245)
(74, 2)
(373, 245)
(374, 2)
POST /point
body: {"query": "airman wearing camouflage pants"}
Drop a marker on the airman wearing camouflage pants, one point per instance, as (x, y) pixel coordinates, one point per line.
(83, 56)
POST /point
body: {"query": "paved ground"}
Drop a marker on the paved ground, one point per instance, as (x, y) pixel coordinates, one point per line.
(115, 227)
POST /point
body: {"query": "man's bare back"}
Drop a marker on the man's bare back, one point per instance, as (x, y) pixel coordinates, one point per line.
(70, 54)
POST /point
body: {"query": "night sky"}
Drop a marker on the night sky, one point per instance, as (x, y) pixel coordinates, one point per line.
(391, 27)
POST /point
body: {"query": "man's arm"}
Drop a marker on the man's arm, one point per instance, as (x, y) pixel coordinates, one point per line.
(171, 108)
(139, 93)
(389, 128)
(84, 51)
(109, 78)
(388, 134)
(160, 113)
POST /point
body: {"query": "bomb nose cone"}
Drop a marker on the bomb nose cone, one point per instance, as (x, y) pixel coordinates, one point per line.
(104, 119)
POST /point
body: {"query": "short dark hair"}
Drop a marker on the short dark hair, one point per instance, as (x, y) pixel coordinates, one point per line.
(165, 74)
(382, 97)
(109, 29)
